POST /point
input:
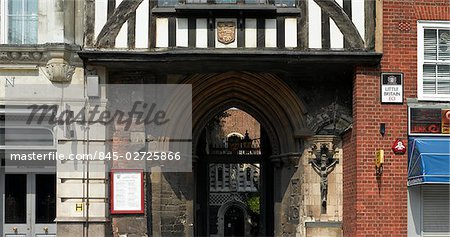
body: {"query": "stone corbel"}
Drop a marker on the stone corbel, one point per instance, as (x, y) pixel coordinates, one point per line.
(58, 70)
(62, 61)
(315, 142)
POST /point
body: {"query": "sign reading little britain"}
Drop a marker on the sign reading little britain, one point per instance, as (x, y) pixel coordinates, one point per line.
(392, 88)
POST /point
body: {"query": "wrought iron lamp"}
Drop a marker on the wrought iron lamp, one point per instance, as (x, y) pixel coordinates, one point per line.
(247, 142)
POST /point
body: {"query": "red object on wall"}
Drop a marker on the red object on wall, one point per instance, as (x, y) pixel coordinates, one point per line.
(399, 147)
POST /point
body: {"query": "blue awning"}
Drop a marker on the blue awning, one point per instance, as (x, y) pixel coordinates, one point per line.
(428, 160)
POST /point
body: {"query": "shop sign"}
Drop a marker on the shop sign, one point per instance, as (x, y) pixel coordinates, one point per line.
(429, 121)
(392, 88)
(445, 121)
(399, 147)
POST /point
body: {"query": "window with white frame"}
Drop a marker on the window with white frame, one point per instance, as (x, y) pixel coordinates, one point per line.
(19, 21)
(433, 60)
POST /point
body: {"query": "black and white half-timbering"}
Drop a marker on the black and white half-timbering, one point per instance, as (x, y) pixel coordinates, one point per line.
(189, 25)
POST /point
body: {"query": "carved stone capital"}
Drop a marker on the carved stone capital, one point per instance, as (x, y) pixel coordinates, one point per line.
(58, 71)
(288, 160)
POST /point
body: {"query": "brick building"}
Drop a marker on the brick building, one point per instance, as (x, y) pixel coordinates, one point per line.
(381, 207)
(290, 103)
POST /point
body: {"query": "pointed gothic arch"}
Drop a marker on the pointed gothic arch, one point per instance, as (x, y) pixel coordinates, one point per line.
(264, 96)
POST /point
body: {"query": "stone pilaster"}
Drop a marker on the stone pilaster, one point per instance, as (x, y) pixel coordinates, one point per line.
(287, 196)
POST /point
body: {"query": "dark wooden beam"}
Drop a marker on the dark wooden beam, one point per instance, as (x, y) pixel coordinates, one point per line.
(280, 32)
(222, 57)
(261, 32)
(302, 25)
(369, 9)
(192, 34)
(326, 44)
(89, 23)
(111, 7)
(112, 27)
(172, 32)
(343, 22)
(211, 32)
(347, 6)
(152, 25)
(132, 31)
(241, 32)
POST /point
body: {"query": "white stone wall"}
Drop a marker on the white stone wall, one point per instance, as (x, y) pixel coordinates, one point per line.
(311, 209)
(34, 80)
(60, 21)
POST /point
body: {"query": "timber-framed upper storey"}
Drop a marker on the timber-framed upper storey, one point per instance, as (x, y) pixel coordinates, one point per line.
(328, 25)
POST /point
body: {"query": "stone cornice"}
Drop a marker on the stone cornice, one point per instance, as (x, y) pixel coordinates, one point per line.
(39, 54)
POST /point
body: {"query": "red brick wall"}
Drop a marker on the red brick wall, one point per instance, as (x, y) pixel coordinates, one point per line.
(239, 121)
(349, 182)
(378, 207)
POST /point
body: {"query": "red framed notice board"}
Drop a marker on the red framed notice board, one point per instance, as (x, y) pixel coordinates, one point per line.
(127, 191)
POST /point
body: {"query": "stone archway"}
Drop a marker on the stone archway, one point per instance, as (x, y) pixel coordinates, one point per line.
(263, 95)
(278, 109)
(221, 217)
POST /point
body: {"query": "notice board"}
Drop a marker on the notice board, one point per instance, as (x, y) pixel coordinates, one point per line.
(127, 191)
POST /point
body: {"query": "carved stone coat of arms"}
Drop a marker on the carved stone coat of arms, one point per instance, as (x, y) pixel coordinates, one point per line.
(226, 32)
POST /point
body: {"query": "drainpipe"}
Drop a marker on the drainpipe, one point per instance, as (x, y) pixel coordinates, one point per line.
(86, 120)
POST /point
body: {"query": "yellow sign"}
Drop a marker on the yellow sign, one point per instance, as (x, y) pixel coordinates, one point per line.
(79, 207)
(379, 158)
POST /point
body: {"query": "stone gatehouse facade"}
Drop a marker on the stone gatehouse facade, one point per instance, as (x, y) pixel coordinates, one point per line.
(286, 114)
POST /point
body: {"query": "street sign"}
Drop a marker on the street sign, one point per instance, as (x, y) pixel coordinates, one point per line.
(392, 88)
